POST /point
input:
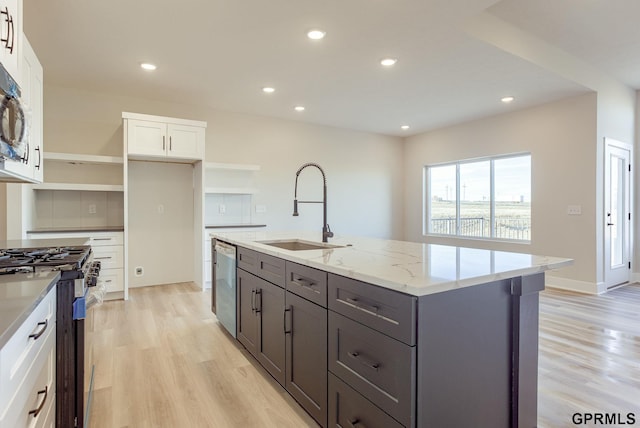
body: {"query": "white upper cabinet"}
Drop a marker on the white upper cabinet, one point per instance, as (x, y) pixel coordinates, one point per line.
(162, 137)
(32, 97)
(185, 141)
(10, 34)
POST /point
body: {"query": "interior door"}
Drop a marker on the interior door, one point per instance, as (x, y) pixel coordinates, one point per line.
(617, 231)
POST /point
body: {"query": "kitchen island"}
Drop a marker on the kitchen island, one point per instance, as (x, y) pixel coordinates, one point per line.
(395, 333)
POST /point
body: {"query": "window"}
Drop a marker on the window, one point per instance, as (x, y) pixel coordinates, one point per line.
(486, 198)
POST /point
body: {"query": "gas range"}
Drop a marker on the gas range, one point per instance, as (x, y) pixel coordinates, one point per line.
(74, 263)
(77, 272)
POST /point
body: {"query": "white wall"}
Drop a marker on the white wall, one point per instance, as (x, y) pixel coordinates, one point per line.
(160, 240)
(364, 170)
(616, 120)
(561, 137)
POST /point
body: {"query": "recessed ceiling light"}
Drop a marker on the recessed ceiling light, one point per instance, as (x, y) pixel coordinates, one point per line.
(316, 34)
(147, 66)
(388, 62)
(299, 108)
(268, 90)
(404, 127)
(507, 100)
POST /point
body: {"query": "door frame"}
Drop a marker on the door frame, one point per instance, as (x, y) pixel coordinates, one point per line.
(612, 279)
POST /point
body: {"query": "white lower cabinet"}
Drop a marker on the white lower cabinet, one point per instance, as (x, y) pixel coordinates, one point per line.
(108, 249)
(28, 370)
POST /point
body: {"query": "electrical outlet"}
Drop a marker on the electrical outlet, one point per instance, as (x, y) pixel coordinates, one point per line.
(574, 210)
(92, 208)
(261, 209)
(222, 208)
(139, 271)
(160, 209)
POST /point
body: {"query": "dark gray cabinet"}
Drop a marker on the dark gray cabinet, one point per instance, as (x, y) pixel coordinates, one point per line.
(358, 355)
(284, 332)
(260, 322)
(380, 368)
(390, 312)
(306, 343)
(269, 311)
(307, 282)
(349, 409)
(247, 321)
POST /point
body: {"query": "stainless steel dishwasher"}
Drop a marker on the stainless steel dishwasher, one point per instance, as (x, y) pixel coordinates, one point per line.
(224, 289)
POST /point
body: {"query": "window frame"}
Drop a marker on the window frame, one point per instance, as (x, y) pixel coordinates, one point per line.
(426, 184)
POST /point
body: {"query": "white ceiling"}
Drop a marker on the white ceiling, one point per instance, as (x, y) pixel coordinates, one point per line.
(219, 53)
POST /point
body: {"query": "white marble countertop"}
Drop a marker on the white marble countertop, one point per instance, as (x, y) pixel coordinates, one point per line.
(414, 268)
(19, 295)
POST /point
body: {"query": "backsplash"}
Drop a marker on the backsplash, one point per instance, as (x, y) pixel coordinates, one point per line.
(65, 208)
(225, 208)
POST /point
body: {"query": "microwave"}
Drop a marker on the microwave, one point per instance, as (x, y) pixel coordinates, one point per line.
(13, 124)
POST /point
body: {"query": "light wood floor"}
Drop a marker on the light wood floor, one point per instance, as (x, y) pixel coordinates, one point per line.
(589, 355)
(162, 360)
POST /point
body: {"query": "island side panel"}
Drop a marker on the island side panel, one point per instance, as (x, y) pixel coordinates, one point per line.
(464, 357)
(525, 292)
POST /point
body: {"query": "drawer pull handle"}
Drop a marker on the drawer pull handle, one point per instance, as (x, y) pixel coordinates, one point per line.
(362, 306)
(35, 336)
(356, 356)
(253, 300)
(284, 321)
(301, 282)
(356, 423)
(37, 411)
(258, 293)
(102, 258)
(101, 239)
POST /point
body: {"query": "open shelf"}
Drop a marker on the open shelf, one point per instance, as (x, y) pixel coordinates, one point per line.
(80, 187)
(83, 159)
(232, 166)
(231, 190)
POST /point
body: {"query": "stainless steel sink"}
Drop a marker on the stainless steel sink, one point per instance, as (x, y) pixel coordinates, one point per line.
(299, 245)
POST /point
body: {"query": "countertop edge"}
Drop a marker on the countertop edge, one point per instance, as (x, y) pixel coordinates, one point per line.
(77, 230)
(17, 322)
(440, 286)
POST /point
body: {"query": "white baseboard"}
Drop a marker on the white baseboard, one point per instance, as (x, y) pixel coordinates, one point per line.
(572, 284)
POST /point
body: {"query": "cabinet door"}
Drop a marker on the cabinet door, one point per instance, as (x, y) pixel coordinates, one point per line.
(10, 28)
(32, 81)
(306, 343)
(185, 142)
(269, 302)
(146, 138)
(247, 320)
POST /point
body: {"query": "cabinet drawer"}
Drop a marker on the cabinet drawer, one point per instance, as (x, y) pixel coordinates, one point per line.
(113, 279)
(100, 239)
(348, 409)
(388, 311)
(307, 282)
(247, 260)
(272, 269)
(381, 368)
(30, 394)
(18, 354)
(110, 257)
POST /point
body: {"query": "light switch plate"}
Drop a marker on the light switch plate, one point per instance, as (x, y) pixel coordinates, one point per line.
(261, 209)
(574, 210)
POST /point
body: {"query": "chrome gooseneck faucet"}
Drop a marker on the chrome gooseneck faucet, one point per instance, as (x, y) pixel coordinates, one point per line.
(326, 231)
